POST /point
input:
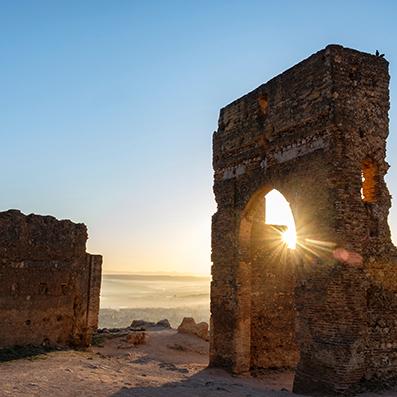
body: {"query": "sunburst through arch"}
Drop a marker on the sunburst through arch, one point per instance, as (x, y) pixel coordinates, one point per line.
(278, 212)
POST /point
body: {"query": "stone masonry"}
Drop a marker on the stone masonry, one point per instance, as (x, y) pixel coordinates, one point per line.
(316, 133)
(49, 285)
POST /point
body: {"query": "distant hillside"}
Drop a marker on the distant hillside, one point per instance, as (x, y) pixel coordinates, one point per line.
(157, 277)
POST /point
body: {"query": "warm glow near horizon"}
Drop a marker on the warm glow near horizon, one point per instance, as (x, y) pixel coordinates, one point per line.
(278, 212)
(110, 127)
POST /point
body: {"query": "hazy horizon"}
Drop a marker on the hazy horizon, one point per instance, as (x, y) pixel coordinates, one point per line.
(155, 274)
(154, 291)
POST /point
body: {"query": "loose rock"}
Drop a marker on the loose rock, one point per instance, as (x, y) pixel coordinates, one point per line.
(189, 326)
(136, 338)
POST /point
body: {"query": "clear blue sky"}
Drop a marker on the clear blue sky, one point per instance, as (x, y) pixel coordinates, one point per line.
(108, 107)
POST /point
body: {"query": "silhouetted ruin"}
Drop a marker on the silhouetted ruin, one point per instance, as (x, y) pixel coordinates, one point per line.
(316, 133)
(49, 285)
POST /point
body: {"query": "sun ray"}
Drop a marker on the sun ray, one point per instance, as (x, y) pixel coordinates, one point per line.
(278, 212)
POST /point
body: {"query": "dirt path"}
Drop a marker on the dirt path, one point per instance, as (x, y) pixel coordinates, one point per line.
(168, 365)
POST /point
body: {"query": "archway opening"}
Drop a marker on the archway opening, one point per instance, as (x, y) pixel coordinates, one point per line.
(278, 212)
(270, 233)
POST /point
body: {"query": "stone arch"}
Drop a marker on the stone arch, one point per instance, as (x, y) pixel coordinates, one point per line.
(247, 217)
(255, 208)
(269, 332)
(232, 274)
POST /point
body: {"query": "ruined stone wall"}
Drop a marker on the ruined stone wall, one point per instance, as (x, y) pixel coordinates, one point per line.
(381, 345)
(49, 285)
(361, 105)
(332, 329)
(274, 137)
(313, 133)
(273, 277)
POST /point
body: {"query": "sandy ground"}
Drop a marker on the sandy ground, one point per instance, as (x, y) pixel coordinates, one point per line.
(168, 365)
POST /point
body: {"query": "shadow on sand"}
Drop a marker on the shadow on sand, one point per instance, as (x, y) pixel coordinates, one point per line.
(18, 352)
(207, 383)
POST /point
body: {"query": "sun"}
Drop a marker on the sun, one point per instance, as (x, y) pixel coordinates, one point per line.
(289, 238)
(278, 212)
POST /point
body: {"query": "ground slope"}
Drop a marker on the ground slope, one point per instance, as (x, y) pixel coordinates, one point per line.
(168, 365)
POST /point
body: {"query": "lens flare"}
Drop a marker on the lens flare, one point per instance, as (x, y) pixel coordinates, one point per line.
(289, 238)
(278, 212)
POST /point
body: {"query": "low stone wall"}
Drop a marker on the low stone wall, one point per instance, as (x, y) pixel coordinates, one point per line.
(49, 285)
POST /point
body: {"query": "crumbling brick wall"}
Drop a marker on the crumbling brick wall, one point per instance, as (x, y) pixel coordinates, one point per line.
(316, 133)
(49, 285)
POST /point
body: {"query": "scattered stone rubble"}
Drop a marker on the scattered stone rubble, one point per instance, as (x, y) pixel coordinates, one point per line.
(189, 326)
(150, 326)
(136, 338)
(136, 333)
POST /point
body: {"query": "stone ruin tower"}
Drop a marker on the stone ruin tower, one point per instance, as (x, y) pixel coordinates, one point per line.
(317, 134)
(49, 284)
